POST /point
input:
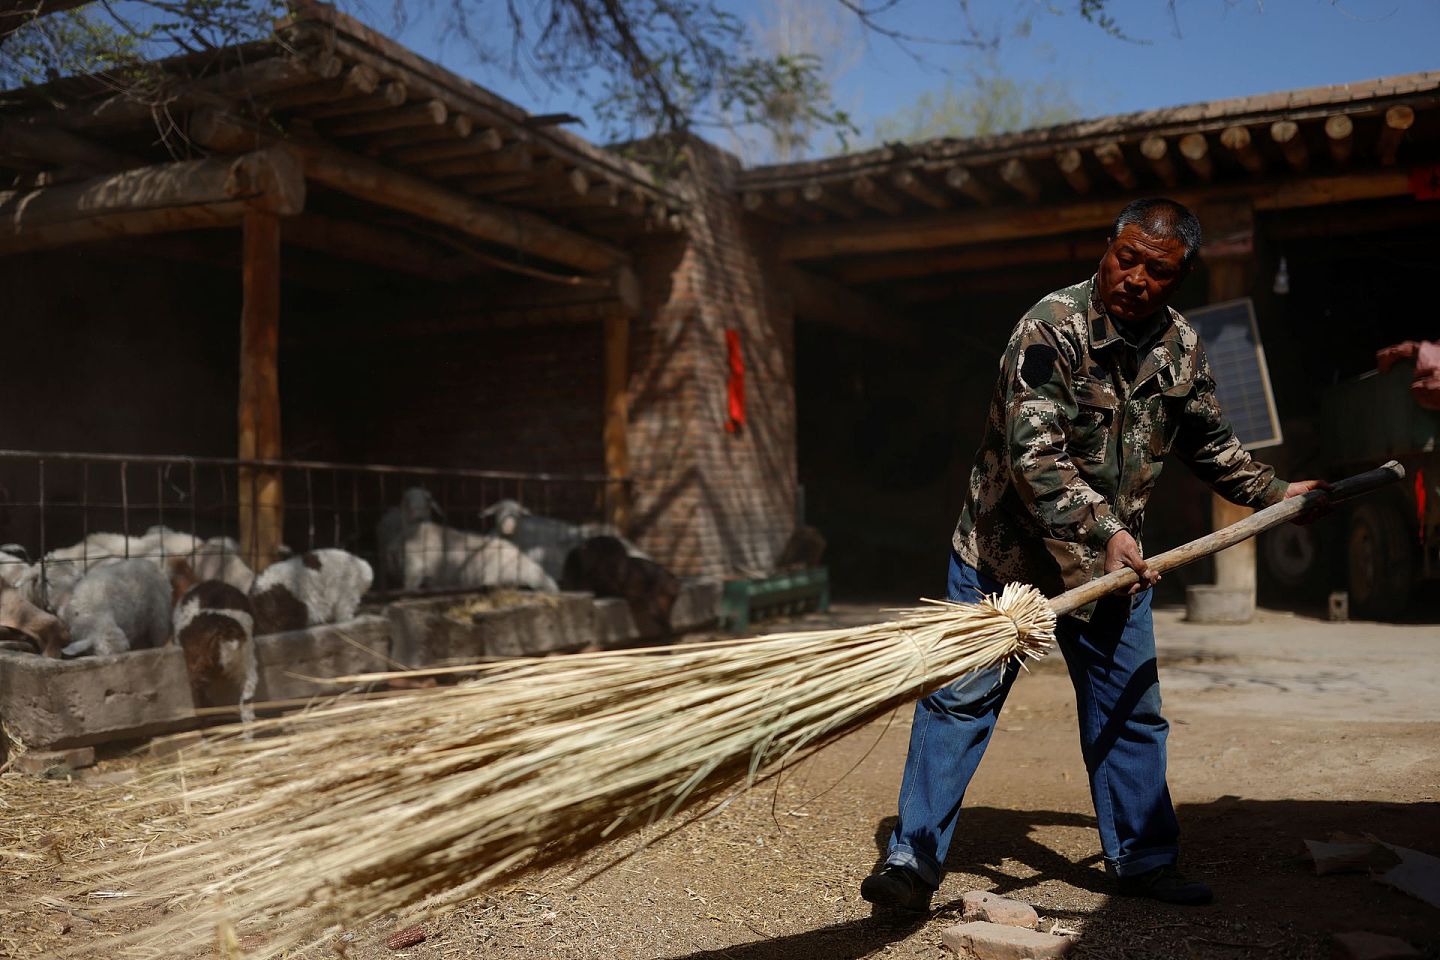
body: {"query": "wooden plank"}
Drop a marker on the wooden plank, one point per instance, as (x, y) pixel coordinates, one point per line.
(390, 188)
(192, 194)
(973, 226)
(260, 495)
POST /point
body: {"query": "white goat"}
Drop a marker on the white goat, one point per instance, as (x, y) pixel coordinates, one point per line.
(117, 607)
(320, 586)
(437, 556)
(546, 540)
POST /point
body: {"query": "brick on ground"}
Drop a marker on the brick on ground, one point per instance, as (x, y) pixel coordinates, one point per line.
(1363, 945)
(995, 941)
(979, 905)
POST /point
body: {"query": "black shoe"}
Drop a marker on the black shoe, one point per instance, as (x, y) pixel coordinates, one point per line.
(1168, 885)
(898, 888)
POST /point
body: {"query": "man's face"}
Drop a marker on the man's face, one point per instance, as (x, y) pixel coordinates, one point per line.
(1139, 273)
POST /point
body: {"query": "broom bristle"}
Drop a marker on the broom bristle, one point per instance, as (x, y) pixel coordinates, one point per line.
(358, 809)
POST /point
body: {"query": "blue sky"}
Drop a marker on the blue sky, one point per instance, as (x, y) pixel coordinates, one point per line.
(1208, 50)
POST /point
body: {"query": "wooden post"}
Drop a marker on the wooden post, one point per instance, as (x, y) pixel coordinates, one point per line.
(617, 397)
(1231, 278)
(260, 497)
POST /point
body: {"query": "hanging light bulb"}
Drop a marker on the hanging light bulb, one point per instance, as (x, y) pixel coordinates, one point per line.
(1282, 278)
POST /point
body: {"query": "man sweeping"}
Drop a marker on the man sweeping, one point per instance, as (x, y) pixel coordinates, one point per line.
(1098, 383)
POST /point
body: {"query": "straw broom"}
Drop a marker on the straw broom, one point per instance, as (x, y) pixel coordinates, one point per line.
(354, 810)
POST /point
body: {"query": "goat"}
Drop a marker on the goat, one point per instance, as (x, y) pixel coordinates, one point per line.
(602, 566)
(320, 586)
(215, 626)
(121, 606)
(437, 556)
(546, 540)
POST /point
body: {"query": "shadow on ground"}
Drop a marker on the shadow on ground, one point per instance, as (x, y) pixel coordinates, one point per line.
(1269, 904)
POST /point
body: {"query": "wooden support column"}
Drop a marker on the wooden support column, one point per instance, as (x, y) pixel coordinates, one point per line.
(1231, 277)
(260, 497)
(617, 397)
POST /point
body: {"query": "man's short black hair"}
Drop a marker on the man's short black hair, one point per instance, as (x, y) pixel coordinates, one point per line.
(1164, 219)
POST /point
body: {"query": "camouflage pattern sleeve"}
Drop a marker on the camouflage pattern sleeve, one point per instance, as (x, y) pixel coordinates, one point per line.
(1208, 446)
(1040, 409)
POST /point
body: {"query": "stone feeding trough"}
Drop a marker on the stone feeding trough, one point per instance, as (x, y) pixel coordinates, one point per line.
(51, 705)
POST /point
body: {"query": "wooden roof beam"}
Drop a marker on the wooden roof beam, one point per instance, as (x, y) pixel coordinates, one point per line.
(362, 242)
(483, 141)
(1237, 141)
(1340, 136)
(1157, 152)
(790, 200)
(390, 95)
(1196, 151)
(756, 203)
(1014, 173)
(431, 113)
(970, 258)
(188, 195)
(961, 180)
(1112, 158)
(60, 147)
(358, 81)
(872, 194)
(1398, 119)
(1286, 134)
(909, 182)
(815, 192)
(1072, 167)
(513, 158)
(992, 225)
(386, 187)
(820, 300)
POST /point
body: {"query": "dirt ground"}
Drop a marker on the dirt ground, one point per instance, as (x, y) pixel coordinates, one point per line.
(1283, 730)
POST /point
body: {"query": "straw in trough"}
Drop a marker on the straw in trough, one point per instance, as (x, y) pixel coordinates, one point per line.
(358, 809)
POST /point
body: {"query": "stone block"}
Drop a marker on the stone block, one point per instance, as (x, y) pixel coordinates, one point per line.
(698, 605)
(1362, 945)
(55, 704)
(423, 635)
(614, 624)
(979, 905)
(996, 941)
(38, 761)
(1342, 857)
(1208, 603)
(295, 664)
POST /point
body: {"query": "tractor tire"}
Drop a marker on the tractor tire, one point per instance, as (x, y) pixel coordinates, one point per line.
(1381, 561)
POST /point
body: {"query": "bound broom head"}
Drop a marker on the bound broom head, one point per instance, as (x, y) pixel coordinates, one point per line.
(347, 812)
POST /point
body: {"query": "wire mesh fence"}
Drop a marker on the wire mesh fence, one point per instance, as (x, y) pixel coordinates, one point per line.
(422, 529)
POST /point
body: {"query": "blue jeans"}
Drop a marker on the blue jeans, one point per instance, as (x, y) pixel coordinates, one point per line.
(1122, 738)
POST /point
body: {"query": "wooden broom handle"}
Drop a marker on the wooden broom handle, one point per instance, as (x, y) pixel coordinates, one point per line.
(1256, 523)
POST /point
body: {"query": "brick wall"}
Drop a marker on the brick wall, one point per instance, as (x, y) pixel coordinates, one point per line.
(708, 501)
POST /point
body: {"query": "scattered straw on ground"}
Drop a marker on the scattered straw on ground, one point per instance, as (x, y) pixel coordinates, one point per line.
(357, 810)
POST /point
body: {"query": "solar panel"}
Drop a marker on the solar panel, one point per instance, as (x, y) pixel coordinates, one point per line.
(1242, 380)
